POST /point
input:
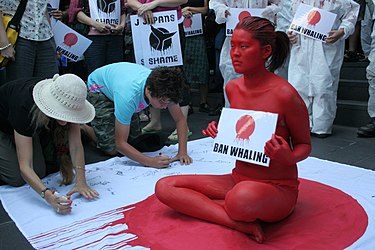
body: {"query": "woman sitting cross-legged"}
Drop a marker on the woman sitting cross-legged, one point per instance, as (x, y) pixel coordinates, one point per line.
(251, 193)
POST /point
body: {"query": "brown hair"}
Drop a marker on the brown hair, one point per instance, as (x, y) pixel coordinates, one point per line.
(166, 82)
(263, 31)
(58, 136)
(38, 118)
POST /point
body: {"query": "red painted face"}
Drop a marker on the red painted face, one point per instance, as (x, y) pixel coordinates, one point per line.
(247, 54)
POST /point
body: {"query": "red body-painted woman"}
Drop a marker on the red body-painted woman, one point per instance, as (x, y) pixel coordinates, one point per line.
(251, 193)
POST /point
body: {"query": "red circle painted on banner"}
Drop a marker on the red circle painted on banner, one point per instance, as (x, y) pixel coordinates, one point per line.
(320, 213)
(245, 127)
(243, 14)
(70, 39)
(313, 17)
(187, 22)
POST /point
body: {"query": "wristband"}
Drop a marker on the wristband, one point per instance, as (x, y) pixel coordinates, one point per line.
(5, 47)
(43, 192)
(80, 167)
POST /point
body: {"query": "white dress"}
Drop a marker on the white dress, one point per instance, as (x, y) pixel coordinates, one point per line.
(371, 73)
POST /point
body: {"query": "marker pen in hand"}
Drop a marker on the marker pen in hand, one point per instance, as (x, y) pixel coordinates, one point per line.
(67, 198)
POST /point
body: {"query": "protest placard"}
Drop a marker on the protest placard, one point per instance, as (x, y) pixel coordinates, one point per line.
(237, 14)
(312, 22)
(193, 25)
(243, 134)
(69, 43)
(157, 44)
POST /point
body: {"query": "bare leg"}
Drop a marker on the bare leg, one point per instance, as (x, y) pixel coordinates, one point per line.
(203, 90)
(198, 196)
(89, 131)
(155, 123)
(354, 38)
(185, 111)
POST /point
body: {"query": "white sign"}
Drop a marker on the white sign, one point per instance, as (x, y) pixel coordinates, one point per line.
(312, 22)
(69, 43)
(55, 4)
(157, 44)
(237, 14)
(243, 134)
(108, 12)
(193, 25)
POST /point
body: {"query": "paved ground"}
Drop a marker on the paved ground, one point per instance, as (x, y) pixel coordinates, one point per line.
(343, 146)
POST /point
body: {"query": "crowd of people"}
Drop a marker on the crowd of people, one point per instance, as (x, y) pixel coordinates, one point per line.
(263, 66)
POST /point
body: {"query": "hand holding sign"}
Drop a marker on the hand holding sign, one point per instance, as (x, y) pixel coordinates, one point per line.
(277, 149)
(334, 35)
(146, 7)
(211, 129)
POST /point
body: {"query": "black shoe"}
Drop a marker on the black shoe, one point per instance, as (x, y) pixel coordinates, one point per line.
(361, 57)
(204, 108)
(321, 136)
(216, 112)
(368, 130)
(190, 111)
(350, 56)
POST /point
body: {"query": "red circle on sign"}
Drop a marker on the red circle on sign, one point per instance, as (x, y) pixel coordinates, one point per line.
(243, 14)
(313, 17)
(245, 127)
(187, 22)
(70, 39)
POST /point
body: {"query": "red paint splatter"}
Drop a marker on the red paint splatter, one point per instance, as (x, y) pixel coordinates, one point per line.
(318, 216)
(324, 218)
(187, 22)
(313, 17)
(70, 39)
(245, 127)
(243, 14)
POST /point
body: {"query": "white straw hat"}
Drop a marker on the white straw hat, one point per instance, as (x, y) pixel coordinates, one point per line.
(64, 98)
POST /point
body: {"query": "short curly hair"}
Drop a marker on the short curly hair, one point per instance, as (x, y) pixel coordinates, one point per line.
(166, 82)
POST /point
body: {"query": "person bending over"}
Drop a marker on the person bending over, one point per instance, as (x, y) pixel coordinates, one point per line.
(34, 111)
(119, 90)
(251, 193)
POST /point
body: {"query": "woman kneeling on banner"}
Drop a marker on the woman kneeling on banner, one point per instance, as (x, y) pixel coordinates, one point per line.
(251, 193)
(38, 118)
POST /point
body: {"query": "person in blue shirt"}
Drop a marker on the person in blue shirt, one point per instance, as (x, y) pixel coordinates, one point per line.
(119, 90)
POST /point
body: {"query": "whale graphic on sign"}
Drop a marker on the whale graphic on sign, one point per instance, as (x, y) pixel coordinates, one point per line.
(160, 38)
(107, 6)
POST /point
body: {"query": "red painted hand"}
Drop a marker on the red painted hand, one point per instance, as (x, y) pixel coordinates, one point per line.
(277, 149)
(211, 129)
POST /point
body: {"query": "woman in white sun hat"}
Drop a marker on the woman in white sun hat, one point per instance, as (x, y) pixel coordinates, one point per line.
(33, 113)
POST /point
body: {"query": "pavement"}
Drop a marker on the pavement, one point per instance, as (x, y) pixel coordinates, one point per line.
(343, 146)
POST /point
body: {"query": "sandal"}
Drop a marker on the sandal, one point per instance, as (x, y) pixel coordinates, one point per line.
(174, 137)
(150, 131)
(204, 107)
(143, 117)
